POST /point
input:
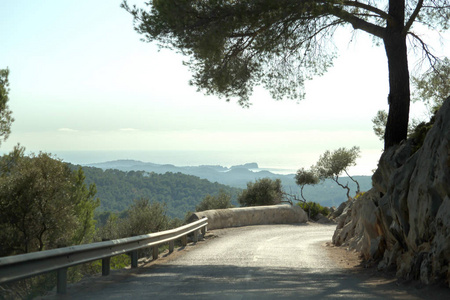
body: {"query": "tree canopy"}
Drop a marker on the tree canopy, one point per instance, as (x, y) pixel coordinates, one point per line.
(332, 164)
(6, 118)
(220, 201)
(43, 204)
(264, 191)
(235, 45)
(433, 86)
(305, 177)
(180, 192)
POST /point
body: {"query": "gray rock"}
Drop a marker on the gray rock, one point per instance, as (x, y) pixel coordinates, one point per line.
(255, 215)
(405, 218)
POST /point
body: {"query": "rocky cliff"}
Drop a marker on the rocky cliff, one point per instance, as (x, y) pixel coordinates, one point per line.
(404, 220)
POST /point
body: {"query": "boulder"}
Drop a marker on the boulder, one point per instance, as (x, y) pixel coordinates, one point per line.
(321, 219)
(255, 215)
(337, 212)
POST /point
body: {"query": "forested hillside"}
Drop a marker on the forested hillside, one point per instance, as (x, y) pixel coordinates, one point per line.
(327, 193)
(181, 193)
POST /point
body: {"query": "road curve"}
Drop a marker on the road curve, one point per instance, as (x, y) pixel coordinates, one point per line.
(255, 262)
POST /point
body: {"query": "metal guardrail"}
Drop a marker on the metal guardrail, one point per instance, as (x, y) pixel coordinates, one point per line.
(31, 264)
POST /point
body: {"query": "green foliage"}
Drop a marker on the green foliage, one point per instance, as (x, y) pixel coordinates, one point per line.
(142, 217)
(313, 209)
(179, 192)
(335, 163)
(43, 204)
(416, 130)
(6, 118)
(111, 229)
(433, 87)
(264, 191)
(220, 201)
(304, 177)
(117, 262)
(85, 204)
(145, 217)
(332, 164)
(420, 131)
(379, 124)
(234, 46)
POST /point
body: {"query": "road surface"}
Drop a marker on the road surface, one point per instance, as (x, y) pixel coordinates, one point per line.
(255, 262)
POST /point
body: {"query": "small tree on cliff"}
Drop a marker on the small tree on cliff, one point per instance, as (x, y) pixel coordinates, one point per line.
(305, 177)
(332, 164)
(235, 45)
(433, 87)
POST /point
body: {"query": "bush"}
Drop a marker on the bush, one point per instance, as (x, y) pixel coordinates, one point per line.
(313, 209)
(43, 204)
(220, 201)
(144, 217)
(264, 191)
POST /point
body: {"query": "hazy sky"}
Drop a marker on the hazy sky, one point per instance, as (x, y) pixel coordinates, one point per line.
(81, 80)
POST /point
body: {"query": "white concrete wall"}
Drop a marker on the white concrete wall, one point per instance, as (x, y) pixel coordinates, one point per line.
(255, 215)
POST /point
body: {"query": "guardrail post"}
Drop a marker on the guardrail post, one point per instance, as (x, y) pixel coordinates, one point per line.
(204, 230)
(106, 266)
(106, 263)
(61, 281)
(155, 252)
(171, 246)
(134, 259)
(184, 240)
(196, 236)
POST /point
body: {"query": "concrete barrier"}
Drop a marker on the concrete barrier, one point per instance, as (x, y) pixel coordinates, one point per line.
(255, 215)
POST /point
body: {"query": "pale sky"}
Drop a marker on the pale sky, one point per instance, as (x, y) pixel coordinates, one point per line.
(81, 80)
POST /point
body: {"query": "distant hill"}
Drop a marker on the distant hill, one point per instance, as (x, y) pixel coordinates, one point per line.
(117, 189)
(326, 193)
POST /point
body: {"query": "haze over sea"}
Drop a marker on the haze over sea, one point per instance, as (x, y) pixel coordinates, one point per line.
(284, 164)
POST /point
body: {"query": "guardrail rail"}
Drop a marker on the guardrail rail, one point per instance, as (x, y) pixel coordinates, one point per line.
(31, 264)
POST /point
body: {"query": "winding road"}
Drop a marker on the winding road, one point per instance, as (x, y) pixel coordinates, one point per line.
(255, 262)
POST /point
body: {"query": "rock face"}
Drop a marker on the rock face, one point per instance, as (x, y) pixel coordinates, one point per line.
(404, 220)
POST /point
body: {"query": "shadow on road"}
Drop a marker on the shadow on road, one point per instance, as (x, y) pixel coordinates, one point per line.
(231, 282)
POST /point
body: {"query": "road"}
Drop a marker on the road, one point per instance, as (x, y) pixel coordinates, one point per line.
(255, 262)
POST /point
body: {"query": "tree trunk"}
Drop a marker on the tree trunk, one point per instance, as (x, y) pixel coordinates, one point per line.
(301, 193)
(399, 93)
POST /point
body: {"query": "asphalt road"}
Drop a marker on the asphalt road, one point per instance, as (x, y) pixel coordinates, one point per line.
(255, 262)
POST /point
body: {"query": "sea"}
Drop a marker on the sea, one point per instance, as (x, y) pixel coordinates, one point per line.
(278, 164)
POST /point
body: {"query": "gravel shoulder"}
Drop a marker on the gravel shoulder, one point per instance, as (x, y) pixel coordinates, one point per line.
(352, 263)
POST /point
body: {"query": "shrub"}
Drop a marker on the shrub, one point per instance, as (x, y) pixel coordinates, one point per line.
(313, 209)
(419, 132)
(220, 201)
(144, 217)
(305, 177)
(264, 191)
